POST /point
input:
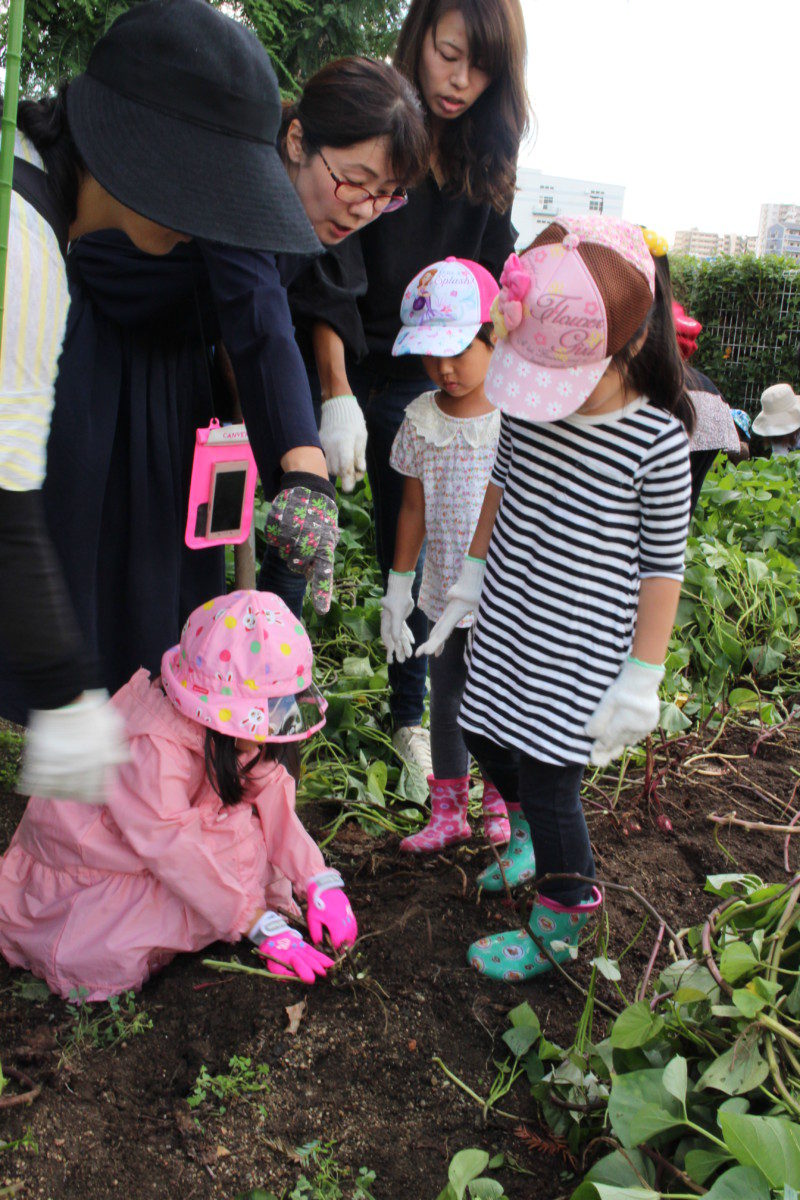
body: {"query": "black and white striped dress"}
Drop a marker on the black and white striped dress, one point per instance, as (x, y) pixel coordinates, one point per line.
(591, 505)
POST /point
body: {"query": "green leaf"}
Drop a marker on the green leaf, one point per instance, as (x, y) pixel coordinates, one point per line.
(639, 1106)
(747, 1002)
(737, 960)
(702, 1163)
(744, 699)
(377, 776)
(740, 1183)
(771, 1144)
(604, 1191)
(464, 1167)
(357, 667)
(524, 1016)
(622, 1170)
(688, 974)
(675, 1078)
(738, 1070)
(520, 1040)
(793, 1000)
(672, 718)
(486, 1189)
(607, 968)
(635, 1026)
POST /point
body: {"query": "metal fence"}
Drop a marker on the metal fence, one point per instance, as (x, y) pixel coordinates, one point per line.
(751, 330)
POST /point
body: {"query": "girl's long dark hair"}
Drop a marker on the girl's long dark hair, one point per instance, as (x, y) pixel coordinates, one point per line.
(45, 123)
(656, 369)
(478, 151)
(355, 99)
(228, 777)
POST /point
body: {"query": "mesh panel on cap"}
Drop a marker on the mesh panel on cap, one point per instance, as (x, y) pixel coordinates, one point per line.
(553, 233)
(626, 296)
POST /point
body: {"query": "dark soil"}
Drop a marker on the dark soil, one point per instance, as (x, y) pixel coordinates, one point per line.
(360, 1071)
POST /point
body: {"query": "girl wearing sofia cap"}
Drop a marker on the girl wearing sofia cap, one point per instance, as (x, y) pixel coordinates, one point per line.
(199, 839)
(583, 532)
(445, 449)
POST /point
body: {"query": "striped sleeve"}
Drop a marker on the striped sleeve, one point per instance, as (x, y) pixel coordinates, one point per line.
(34, 318)
(666, 488)
(503, 457)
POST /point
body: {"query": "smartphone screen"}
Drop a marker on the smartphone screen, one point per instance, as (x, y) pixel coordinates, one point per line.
(227, 499)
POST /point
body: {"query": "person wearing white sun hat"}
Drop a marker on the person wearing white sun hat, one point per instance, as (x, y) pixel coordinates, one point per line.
(779, 419)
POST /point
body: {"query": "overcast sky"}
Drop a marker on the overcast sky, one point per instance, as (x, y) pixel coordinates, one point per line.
(692, 105)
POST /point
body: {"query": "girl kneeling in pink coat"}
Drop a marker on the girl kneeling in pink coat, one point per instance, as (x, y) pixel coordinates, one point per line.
(199, 839)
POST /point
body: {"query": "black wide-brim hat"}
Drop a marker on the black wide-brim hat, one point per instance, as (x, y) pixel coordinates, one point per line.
(177, 117)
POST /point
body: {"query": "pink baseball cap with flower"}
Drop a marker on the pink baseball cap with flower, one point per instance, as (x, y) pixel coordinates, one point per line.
(443, 308)
(243, 667)
(565, 307)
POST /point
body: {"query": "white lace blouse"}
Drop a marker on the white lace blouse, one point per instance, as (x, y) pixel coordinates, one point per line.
(453, 457)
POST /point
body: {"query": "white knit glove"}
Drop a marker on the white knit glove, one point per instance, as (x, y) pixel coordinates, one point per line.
(397, 604)
(461, 600)
(343, 434)
(70, 751)
(628, 710)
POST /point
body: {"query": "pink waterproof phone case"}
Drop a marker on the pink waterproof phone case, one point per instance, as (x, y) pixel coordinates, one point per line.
(223, 487)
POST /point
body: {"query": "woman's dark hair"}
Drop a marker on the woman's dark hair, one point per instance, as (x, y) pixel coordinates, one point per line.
(228, 777)
(478, 151)
(354, 99)
(45, 123)
(656, 369)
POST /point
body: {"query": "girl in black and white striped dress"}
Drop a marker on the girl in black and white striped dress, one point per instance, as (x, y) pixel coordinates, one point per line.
(576, 565)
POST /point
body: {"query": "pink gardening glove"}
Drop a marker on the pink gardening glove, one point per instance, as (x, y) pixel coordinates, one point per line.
(286, 953)
(329, 908)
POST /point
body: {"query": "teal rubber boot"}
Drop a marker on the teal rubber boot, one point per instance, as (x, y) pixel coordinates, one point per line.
(514, 957)
(518, 861)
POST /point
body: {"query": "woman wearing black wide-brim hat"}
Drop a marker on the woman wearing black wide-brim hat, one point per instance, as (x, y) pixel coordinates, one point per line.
(170, 134)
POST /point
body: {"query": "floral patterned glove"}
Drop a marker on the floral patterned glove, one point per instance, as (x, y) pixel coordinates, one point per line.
(329, 908)
(285, 952)
(303, 525)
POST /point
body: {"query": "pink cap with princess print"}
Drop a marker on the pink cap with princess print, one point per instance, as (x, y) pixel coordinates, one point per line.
(566, 306)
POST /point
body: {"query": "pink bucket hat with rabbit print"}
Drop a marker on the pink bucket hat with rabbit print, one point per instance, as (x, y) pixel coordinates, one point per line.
(566, 306)
(443, 308)
(243, 667)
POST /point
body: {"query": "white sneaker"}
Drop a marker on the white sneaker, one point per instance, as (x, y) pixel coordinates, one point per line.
(413, 744)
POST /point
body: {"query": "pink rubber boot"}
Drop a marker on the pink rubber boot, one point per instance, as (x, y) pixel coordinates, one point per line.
(448, 823)
(495, 815)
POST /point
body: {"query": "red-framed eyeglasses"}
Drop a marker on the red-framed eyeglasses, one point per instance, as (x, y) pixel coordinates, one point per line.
(353, 193)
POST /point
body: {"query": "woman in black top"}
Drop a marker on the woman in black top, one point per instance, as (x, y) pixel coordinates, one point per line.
(467, 59)
(135, 381)
(126, 145)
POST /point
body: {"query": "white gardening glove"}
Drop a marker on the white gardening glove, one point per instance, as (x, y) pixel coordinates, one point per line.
(70, 752)
(343, 434)
(461, 600)
(628, 710)
(397, 604)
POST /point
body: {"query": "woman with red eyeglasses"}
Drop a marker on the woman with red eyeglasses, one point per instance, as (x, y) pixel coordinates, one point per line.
(467, 60)
(137, 378)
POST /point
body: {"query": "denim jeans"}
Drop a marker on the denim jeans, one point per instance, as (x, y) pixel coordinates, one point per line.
(384, 401)
(550, 797)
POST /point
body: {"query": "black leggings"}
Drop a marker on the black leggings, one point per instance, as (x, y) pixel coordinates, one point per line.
(550, 797)
(39, 639)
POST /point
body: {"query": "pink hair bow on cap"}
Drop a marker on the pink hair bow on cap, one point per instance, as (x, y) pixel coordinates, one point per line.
(515, 283)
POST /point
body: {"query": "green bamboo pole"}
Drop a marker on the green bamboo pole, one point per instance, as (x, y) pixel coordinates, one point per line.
(16, 13)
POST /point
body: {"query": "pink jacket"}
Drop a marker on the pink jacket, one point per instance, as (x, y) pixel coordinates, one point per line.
(99, 898)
